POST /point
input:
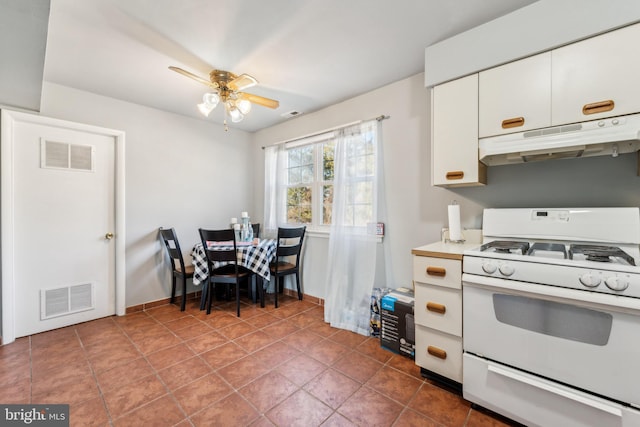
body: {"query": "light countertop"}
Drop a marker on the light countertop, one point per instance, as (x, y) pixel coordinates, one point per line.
(446, 249)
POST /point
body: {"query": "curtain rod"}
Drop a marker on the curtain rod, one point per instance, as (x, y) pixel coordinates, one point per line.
(378, 118)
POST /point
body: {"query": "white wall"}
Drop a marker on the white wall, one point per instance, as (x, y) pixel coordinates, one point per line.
(415, 211)
(180, 172)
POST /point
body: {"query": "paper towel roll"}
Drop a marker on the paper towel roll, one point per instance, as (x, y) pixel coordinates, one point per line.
(454, 223)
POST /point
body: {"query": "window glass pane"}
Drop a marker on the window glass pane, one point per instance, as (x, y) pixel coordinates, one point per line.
(327, 204)
(328, 151)
(299, 205)
(306, 173)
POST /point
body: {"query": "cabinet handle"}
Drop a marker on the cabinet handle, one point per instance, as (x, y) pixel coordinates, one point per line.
(598, 107)
(436, 308)
(436, 271)
(513, 123)
(455, 175)
(437, 352)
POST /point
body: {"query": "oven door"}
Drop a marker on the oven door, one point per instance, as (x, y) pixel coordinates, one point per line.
(578, 338)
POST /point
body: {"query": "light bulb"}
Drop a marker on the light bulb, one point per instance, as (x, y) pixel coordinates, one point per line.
(244, 106)
(234, 113)
(205, 109)
(211, 98)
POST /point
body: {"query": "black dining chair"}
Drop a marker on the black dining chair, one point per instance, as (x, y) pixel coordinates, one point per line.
(230, 273)
(179, 270)
(256, 230)
(287, 258)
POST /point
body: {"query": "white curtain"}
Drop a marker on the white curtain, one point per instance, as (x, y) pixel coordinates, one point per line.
(274, 190)
(352, 250)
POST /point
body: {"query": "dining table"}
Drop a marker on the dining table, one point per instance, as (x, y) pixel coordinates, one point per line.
(255, 255)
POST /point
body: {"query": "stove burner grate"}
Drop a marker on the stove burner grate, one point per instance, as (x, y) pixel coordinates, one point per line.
(600, 253)
(548, 247)
(506, 246)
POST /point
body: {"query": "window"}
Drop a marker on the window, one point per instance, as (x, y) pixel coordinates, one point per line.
(309, 181)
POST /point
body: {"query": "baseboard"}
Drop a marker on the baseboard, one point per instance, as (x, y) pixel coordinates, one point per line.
(196, 296)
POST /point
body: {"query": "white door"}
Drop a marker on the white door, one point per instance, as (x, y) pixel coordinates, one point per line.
(64, 261)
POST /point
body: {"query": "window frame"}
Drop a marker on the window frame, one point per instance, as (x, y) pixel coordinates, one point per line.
(318, 183)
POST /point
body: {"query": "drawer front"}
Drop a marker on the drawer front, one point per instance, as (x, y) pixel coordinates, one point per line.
(439, 352)
(437, 271)
(439, 308)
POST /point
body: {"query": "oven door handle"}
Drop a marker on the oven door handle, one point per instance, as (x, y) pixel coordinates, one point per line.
(546, 387)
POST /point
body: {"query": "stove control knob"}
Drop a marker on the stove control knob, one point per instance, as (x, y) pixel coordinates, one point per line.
(506, 270)
(589, 280)
(616, 283)
(489, 268)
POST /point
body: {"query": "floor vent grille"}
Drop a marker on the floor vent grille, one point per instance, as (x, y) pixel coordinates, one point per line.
(66, 300)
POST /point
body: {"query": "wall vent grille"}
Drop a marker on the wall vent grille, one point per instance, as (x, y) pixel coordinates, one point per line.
(66, 300)
(62, 155)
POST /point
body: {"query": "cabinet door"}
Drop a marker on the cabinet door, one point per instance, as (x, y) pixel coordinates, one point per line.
(515, 97)
(454, 137)
(597, 77)
(439, 308)
(439, 352)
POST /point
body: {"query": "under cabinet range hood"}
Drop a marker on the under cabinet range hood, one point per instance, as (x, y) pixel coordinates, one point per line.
(610, 136)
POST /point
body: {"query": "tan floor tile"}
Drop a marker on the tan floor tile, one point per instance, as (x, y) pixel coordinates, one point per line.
(170, 356)
(147, 415)
(204, 343)
(202, 393)
(133, 395)
(89, 413)
(394, 384)
(358, 366)
(267, 391)
(332, 387)
(368, 407)
(186, 371)
(244, 371)
(301, 369)
(300, 409)
(124, 374)
(440, 405)
(233, 410)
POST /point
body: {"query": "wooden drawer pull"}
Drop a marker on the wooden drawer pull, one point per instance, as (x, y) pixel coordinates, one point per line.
(455, 175)
(513, 123)
(436, 308)
(436, 271)
(437, 352)
(598, 107)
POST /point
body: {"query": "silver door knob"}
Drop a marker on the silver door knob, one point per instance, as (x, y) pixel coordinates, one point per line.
(108, 236)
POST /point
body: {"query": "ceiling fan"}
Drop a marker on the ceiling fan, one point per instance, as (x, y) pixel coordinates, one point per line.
(228, 88)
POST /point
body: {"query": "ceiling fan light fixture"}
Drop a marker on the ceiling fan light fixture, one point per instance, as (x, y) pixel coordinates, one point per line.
(205, 109)
(244, 106)
(235, 114)
(211, 98)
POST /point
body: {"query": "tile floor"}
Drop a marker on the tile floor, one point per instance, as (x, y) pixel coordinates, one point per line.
(282, 367)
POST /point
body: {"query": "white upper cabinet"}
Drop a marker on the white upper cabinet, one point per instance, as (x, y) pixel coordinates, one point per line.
(597, 77)
(515, 97)
(454, 137)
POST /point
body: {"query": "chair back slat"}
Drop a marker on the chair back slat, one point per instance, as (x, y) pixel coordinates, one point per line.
(218, 254)
(285, 246)
(173, 247)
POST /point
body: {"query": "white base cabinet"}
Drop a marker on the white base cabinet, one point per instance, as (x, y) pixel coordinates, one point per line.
(437, 281)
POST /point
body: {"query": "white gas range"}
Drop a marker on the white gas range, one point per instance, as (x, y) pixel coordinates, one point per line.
(551, 309)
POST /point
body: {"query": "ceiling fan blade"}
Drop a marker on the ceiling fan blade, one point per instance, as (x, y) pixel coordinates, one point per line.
(243, 81)
(195, 77)
(260, 100)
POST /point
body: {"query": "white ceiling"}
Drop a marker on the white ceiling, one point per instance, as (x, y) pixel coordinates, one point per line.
(308, 54)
